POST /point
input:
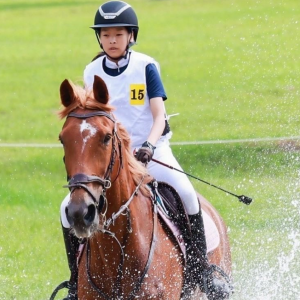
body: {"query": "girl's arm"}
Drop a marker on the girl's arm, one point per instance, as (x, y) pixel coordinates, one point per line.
(158, 113)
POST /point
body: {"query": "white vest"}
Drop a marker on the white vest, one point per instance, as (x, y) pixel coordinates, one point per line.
(128, 95)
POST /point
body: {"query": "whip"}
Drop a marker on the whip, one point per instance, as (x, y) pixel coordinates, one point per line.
(242, 198)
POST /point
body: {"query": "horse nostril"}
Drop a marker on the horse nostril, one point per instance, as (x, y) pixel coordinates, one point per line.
(90, 215)
(70, 220)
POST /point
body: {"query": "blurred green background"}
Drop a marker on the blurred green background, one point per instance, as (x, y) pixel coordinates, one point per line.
(231, 71)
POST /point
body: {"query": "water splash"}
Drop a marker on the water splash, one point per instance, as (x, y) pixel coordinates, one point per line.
(274, 272)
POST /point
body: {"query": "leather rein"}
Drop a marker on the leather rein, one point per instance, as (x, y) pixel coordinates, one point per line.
(81, 180)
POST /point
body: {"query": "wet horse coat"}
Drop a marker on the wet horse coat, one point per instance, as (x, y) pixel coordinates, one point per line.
(129, 253)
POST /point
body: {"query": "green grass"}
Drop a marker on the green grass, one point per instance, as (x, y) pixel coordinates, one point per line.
(230, 68)
(30, 243)
(233, 62)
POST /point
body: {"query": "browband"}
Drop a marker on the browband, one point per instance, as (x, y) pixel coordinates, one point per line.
(91, 114)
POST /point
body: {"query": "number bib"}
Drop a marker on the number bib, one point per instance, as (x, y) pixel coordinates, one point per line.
(137, 94)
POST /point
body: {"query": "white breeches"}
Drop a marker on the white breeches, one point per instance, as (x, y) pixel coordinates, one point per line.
(176, 179)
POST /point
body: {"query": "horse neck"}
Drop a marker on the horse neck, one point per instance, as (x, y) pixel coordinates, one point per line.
(129, 228)
(122, 187)
(125, 191)
(120, 191)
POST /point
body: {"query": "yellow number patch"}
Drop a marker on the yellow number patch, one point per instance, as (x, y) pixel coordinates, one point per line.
(137, 94)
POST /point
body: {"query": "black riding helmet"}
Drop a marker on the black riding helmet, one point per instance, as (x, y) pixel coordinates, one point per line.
(116, 14)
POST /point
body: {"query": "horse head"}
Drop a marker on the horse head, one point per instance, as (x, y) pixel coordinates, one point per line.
(91, 146)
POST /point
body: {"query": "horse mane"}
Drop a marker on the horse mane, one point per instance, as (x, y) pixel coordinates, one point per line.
(84, 99)
(136, 169)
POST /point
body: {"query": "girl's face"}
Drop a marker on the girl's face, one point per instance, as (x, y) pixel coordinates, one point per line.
(114, 40)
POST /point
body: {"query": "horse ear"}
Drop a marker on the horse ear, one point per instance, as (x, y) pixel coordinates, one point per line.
(67, 95)
(100, 90)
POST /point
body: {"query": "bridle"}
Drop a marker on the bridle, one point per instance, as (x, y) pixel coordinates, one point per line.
(81, 180)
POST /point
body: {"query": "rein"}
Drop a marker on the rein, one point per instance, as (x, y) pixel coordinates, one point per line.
(120, 267)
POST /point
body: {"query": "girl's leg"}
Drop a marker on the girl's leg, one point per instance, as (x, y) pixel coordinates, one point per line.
(217, 289)
(176, 179)
(185, 190)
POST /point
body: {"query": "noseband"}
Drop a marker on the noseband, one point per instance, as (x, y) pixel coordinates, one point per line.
(81, 180)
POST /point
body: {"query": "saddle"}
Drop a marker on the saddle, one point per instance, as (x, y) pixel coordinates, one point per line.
(172, 212)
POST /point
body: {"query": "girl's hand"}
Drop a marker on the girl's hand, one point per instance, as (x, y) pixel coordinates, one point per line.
(145, 153)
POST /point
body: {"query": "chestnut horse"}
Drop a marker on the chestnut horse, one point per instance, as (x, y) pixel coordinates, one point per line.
(129, 253)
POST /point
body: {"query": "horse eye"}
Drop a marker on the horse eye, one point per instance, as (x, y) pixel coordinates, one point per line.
(107, 138)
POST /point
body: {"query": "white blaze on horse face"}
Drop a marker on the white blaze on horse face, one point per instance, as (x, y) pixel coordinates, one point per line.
(85, 126)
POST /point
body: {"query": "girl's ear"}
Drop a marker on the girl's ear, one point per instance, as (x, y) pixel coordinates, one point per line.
(100, 90)
(132, 38)
(67, 94)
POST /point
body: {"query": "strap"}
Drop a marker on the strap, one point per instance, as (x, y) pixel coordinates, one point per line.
(150, 256)
(92, 114)
(90, 280)
(147, 266)
(61, 286)
(124, 206)
(83, 178)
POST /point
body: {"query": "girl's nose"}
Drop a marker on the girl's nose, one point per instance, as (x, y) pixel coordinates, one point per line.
(112, 40)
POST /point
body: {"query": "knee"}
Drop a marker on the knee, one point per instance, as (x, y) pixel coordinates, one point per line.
(190, 201)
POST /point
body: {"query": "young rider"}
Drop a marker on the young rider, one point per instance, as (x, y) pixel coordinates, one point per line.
(137, 93)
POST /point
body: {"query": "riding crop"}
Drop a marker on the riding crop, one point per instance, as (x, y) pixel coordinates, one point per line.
(242, 198)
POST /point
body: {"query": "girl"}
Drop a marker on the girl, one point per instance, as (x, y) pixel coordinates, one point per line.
(137, 93)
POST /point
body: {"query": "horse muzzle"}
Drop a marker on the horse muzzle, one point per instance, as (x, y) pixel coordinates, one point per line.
(85, 204)
(81, 213)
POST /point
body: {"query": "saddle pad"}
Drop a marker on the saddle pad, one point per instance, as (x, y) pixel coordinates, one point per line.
(212, 234)
(174, 229)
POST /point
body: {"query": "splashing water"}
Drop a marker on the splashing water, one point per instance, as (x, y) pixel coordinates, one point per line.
(276, 276)
(270, 283)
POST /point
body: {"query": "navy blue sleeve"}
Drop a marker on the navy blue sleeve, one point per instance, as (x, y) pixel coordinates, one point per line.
(155, 86)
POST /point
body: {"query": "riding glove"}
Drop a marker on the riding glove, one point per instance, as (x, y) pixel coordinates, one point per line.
(145, 153)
